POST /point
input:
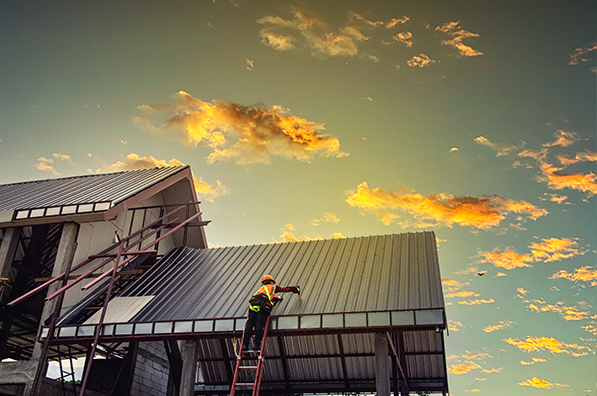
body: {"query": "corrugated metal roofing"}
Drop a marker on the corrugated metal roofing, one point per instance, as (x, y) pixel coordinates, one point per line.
(108, 187)
(376, 273)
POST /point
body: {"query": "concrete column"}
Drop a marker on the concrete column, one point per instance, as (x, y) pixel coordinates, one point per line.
(189, 351)
(382, 368)
(68, 239)
(8, 249)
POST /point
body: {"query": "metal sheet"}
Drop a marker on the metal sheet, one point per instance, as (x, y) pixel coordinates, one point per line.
(121, 309)
(109, 187)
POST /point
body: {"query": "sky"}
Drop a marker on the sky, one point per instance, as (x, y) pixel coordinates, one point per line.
(305, 119)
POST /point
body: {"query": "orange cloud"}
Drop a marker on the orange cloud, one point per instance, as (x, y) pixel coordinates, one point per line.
(577, 56)
(563, 138)
(462, 294)
(507, 259)
(535, 360)
(397, 21)
(583, 274)
(316, 33)
(477, 302)
(247, 134)
(539, 383)
(420, 60)
(493, 370)
(250, 64)
(534, 344)
(327, 217)
(501, 149)
(458, 34)
(501, 326)
(559, 199)
(442, 209)
(476, 355)
(586, 156)
(65, 158)
(44, 164)
(567, 312)
(591, 327)
(555, 249)
(405, 38)
(134, 161)
(454, 325)
(463, 368)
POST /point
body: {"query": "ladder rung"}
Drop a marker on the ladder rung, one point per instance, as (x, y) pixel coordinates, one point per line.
(247, 367)
(245, 384)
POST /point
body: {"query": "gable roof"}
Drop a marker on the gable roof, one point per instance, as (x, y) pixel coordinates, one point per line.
(88, 194)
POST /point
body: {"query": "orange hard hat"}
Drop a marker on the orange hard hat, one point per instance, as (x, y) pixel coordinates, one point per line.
(267, 278)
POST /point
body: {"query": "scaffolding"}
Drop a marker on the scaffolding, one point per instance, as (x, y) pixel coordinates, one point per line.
(130, 247)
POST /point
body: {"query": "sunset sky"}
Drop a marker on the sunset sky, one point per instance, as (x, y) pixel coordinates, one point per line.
(305, 119)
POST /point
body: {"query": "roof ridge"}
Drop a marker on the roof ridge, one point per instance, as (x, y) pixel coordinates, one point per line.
(93, 175)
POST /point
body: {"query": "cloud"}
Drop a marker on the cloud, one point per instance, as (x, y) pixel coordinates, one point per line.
(453, 285)
(405, 38)
(555, 249)
(473, 390)
(397, 21)
(454, 325)
(458, 34)
(500, 274)
(577, 56)
(535, 360)
(337, 235)
(501, 148)
(477, 302)
(250, 64)
(463, 368)
(507, 259)
(420, 60)
(476, 355)
(124, 142)
(591, 327)
(246, 134)
(134, 161)
(327, 217)
(563, 138)
(583, 274)
(539, 383)
(44, 164)
(568, 313)
(535, 344)
(501, 326)
(315, 33)
(586, 156)
(64, 158)
(462, 294)
(445, 209)
(493, 370)
(559, 199)
(548, 250)
(454, 149)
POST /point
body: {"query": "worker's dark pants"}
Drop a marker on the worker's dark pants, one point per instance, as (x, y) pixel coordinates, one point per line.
(255, 322)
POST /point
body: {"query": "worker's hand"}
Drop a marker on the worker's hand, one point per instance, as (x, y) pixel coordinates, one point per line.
(278, 300)
(298, 290)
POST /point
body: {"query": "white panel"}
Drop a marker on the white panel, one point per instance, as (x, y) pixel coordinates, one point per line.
(121, 309)
(432, 316)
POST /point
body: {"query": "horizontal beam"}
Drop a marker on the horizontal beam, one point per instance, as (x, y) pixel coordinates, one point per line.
(125, 272)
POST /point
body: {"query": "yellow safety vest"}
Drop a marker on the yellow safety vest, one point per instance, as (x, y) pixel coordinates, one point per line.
(265, 289)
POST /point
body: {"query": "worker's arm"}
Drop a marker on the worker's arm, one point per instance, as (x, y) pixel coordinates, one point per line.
(289, 289)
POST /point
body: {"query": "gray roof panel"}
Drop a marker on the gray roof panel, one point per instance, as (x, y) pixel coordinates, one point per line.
(108, 187)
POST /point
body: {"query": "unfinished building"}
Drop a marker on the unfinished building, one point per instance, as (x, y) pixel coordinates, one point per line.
(116, 268)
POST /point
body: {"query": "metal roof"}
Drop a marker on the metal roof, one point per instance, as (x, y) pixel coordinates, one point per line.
(320, 340)
(109, 188)
(375, 273)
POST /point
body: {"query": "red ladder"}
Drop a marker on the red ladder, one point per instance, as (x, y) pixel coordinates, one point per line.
(258, 368)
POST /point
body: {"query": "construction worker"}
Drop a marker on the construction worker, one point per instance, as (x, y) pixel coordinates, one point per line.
(260, 307)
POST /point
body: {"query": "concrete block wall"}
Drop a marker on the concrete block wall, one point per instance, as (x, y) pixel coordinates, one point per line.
(151, 370)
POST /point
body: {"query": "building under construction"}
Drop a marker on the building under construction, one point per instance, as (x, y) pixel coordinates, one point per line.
(115, 269)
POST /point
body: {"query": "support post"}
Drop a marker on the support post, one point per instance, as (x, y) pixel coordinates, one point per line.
(189, 353)
(382, 369)
(8, 249)
(68, 239)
